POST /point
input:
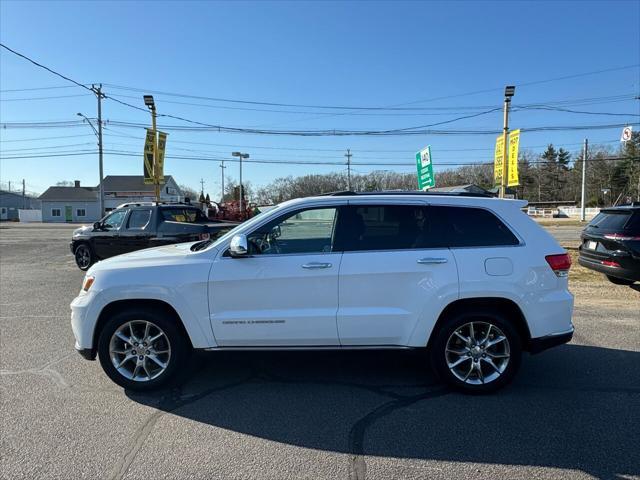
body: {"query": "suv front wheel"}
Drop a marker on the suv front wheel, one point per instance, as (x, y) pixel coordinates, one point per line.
(142, 349)
(476, 352)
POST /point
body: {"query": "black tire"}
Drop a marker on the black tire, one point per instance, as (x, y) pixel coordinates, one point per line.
(84, 256)
(619, 281)
(180, 347)
(438, 356)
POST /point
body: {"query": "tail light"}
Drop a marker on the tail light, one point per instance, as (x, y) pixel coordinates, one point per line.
(610, 263)
(204, 236)
(560, 264)
(617, 236)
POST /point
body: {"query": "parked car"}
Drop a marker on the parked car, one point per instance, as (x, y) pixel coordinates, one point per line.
(611, 244)
(134, 226)
(472, 279)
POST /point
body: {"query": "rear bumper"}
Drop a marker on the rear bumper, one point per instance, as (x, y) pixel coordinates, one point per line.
(537, 345)
(618, 272)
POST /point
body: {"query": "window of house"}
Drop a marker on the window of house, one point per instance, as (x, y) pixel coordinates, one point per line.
(56, 212)
(81, 212)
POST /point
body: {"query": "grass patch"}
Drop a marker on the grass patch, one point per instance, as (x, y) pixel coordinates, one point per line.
(561, 222)
(578, 273)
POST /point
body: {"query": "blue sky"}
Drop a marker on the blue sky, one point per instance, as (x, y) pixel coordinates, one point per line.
(315, 53)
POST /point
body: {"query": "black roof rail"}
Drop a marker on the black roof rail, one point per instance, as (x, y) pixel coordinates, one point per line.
(406, 192)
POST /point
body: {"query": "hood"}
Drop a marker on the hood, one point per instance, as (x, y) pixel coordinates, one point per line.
(151, 257)
(83, 230)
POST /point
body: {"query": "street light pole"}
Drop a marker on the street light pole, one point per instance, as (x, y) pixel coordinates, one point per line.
(241, 155)
(150, 103)
(222, 167)
(509, 91)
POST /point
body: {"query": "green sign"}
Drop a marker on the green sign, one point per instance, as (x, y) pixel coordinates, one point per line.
(425, 169)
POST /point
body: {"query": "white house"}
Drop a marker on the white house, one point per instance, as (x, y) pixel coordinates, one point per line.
(81, 204)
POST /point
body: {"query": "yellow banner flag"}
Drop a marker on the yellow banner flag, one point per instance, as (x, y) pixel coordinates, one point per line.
(148, 157)
(497, 161)
(514, 141)
(162, 144)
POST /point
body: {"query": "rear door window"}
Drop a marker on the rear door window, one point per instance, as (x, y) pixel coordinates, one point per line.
(472, 227)
(139, 219)
(387, 227)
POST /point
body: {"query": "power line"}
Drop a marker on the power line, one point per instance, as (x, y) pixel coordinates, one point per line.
(43, 98)
(34, 89)
(292, 162)
(397, 131)
(46, 138)
(353, 107)
(558, 109)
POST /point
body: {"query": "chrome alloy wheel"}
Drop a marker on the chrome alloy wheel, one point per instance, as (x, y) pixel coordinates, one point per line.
(477, 353)
(140, 350)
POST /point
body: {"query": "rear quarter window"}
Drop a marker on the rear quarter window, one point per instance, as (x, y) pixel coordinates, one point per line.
(611, 220)
(473, 227)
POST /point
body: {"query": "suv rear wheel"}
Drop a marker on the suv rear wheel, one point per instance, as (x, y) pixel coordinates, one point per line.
(142, 349)
(476, 352)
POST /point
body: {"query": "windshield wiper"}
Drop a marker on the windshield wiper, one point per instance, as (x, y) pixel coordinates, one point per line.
(200, 245)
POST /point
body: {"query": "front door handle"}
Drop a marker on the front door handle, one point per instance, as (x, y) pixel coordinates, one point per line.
(431, 260)
(316, 265)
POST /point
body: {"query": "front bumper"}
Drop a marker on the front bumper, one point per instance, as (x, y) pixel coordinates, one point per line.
(537, 345)
(86, 353)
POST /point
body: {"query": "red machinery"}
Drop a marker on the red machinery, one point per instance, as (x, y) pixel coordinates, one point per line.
(230, 211)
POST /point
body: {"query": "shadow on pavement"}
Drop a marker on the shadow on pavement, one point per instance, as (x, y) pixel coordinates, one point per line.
(574, 407)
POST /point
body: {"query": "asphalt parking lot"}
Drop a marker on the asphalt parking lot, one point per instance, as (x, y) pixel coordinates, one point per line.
(572, 412)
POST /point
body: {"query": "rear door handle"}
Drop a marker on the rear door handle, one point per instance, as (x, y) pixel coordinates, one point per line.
(316, 265)
(431, 260)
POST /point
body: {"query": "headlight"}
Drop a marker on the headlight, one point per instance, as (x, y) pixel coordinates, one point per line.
(88, 281)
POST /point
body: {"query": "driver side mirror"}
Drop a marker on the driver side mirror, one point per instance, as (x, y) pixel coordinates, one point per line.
(238, 246)
(97, 226)
(276, 232)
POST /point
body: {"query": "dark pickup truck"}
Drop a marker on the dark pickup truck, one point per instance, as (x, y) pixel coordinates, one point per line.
(135, 226)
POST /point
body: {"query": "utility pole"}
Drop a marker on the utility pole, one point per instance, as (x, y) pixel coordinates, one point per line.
(222, 167)
(584, 180)
(24, 200)
(202, 185)
(509, 91)
(98, 91)
(348, 155)
(9, 185)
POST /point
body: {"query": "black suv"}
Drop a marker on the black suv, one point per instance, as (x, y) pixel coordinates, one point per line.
(135, 226)
(611, 244)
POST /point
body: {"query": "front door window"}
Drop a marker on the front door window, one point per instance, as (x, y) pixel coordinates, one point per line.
(308, 231)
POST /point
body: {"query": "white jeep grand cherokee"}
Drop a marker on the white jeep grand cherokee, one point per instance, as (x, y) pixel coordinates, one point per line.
(472, 279)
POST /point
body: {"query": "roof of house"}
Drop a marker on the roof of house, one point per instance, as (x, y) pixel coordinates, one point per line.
(70, 194)
(130, 183)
